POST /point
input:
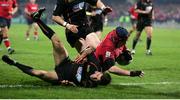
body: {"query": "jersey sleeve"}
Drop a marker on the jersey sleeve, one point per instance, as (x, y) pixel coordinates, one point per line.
(92, 2)
(14, 4)
(108, 63)
(138, 5)
(59, 8)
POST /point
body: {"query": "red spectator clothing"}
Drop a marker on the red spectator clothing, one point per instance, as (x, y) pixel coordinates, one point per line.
(132, 12)
(6, 7)
(31, 8)
(107, 49)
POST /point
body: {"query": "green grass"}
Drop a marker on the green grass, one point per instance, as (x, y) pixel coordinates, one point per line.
(163, 66)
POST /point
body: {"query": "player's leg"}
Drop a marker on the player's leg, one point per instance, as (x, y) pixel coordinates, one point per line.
(133, 23)
(35, 31)
(6, 40)
(92, 40)
(59, 51)
(44, 75)
(140, 27)
(148, 31)
(28, 31)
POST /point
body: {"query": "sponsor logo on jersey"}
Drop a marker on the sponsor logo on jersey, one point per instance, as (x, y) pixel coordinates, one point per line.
(79, 74)
(108, 54)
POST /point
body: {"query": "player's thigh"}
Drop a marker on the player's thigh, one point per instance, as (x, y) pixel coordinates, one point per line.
(59, 51)
(35, 25)
(149, 31)
(92, 40)
(52, 75)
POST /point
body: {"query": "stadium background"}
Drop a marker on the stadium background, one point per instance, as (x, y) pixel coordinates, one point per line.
(161, 81)
(166, 11)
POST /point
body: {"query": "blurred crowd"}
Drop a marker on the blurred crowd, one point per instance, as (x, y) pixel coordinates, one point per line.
(165, 10)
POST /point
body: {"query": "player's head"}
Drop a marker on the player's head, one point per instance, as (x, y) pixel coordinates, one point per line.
(101, 78)
(32, 1)
(125, 58)
(147, 1)
(122, 34)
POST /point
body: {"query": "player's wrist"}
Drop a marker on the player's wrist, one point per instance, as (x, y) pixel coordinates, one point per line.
(65, 24)
(103, 7)
(135, 73)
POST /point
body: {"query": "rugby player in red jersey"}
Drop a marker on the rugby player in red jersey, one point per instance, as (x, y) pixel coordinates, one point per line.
(111, 50)
(134, 17)
(7, 9)
(31, 7)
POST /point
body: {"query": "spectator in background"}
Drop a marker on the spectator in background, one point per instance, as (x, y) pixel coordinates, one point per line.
(7, 9)
(31, 7)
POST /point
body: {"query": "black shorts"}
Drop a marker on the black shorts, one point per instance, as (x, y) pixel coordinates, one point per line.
(83, 31)
(133, 21)
(64, 69)
(142, 23)
(97, 26)
(29, 21)
(5, 22)
(97, 23)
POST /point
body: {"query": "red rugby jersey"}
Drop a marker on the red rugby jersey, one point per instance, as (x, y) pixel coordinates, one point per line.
(6, 7)
(132, 12)
(31, 7)
(107, 48)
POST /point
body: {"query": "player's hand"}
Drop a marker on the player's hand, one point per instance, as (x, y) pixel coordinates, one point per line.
(67, 83)
(136, 73)
(80, 58)
(107, 10)
(72, 28)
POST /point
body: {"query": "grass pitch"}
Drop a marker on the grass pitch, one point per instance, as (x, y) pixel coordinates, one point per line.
(161, 80)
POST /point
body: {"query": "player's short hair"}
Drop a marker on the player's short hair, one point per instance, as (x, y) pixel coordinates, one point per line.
(105, 79)
(125, 58)
(122, 32)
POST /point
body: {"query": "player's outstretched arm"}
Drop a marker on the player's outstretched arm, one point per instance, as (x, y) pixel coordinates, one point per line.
(122, 72)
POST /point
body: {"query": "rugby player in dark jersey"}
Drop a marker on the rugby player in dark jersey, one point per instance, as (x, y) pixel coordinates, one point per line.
(72, 15)
(66, 71)
(145, 17)
(96, 19)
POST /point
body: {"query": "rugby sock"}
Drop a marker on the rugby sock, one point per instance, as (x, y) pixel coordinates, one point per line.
(134, 43)
(26, 69)
(45, 29)
(148, 43)
(6, 42)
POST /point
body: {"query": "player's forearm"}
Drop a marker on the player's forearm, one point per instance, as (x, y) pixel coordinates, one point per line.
(100, 4)
(59, 21)
(118, 71)
(88, 50)
(14, 10)
(142, 11)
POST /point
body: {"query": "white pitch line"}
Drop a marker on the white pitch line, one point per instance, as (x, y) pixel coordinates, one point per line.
(152, 83)
(126, 84)
(18, 86)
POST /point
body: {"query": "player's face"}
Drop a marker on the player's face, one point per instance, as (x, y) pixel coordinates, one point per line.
(96, 76)
(121, 43)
